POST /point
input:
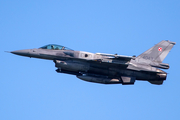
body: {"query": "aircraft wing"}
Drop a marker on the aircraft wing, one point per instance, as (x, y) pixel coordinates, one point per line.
(116, 62)
(111, 60)
(118, 57)
(108, 60)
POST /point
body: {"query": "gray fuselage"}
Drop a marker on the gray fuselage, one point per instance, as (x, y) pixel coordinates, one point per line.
(85, 65)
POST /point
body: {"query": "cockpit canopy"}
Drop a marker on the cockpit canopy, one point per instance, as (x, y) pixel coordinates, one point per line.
(54, 47)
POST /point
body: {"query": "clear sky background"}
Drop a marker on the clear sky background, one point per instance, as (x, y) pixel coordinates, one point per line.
(30, 89)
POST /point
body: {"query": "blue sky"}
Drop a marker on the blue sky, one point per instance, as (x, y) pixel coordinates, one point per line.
(31, 89)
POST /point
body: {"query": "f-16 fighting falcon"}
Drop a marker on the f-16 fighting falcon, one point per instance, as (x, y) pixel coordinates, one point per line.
(106, 68)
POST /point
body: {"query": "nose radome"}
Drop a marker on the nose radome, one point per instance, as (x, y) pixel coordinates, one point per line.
(21, 52)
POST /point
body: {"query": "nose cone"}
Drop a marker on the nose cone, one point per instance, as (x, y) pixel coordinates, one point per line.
(21, 52)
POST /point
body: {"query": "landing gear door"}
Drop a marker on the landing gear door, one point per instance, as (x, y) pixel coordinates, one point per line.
(126, 80)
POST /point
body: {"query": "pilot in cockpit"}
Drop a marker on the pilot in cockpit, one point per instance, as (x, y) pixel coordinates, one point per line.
(52, 47)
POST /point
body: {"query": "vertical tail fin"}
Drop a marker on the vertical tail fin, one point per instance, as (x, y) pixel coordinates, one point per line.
(158, 52)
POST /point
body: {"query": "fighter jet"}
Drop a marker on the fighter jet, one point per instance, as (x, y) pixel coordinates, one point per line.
(106, 68)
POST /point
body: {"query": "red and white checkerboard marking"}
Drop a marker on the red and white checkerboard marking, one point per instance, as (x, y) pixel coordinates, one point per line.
(160, 49)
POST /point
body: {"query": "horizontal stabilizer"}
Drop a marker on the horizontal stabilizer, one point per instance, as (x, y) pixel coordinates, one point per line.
(143, 69)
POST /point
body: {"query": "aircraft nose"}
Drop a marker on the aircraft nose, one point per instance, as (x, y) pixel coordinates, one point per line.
(21, 52)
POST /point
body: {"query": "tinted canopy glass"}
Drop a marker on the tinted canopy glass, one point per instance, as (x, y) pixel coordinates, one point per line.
(54, 47)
